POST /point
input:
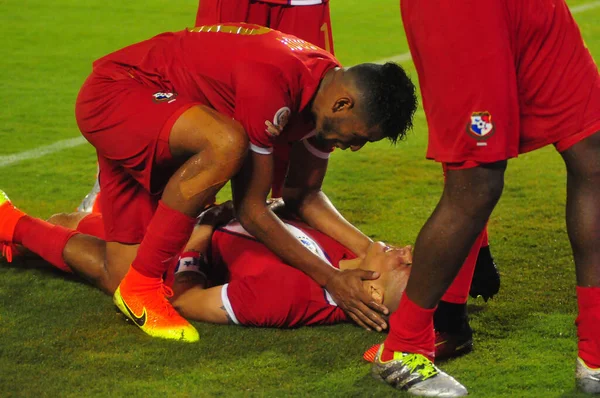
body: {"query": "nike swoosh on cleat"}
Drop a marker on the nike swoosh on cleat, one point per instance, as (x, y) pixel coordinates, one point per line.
(139, 320)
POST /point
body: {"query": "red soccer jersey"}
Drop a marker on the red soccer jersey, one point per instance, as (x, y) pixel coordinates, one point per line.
(251, 73)
(263, 290)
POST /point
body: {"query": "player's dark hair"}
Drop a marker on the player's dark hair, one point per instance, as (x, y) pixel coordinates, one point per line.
(388, 97)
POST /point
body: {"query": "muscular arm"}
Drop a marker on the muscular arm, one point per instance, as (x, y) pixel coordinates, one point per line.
(202, 305)
(303, 196)
(250, 189)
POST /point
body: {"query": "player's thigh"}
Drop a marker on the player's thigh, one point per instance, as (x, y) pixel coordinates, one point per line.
(468, 80)
(129, 123)
(583, 158)
(311, 23)
(202, 130)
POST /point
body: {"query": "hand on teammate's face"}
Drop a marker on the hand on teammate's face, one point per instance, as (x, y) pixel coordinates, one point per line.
(348, 291)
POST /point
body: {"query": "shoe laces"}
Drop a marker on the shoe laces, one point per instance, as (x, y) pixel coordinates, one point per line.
(7, 250)
(420, 364)
(165, 293)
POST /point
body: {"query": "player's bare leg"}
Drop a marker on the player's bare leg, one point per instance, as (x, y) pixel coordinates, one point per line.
(212, 148)
(583, 225)
(405, 359)
(82, 254)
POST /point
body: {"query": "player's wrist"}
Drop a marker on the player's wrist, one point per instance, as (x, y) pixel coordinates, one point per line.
(329, 277)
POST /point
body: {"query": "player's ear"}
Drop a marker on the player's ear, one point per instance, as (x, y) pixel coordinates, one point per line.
(343, 103)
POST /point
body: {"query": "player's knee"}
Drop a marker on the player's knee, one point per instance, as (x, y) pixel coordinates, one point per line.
(67, 220)
(583, 158)
(232, 145)
(479, 188)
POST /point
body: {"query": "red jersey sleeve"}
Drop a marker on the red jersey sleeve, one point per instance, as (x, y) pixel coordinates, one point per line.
(262, 105)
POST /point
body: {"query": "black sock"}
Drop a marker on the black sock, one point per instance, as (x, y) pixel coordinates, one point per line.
(450, 317)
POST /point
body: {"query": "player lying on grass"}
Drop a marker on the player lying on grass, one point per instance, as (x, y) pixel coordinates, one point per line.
(224, 275)
(175, 117)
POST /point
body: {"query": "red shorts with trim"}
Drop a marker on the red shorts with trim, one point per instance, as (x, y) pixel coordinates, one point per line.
(311, 23)
(129, 123)
(501, 77)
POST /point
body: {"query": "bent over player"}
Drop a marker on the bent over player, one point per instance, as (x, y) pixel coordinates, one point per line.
(526, 81)
(172, 119)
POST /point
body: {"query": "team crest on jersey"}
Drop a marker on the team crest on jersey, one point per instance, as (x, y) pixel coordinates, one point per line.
(309, 244)
(481, 126)
(164, 97)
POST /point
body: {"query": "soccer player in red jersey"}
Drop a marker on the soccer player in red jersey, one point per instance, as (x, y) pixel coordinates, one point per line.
(498, 78)
(308, 20)
(224, 275)
(175, 117)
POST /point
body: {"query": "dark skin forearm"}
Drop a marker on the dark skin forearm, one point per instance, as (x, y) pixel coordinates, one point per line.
(250, 188)
(446, 238)
(316, 210)
(263, 224)
(303, 196)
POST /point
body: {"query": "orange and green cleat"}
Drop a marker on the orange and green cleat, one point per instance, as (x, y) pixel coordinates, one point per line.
(9, 216)
(143, 300)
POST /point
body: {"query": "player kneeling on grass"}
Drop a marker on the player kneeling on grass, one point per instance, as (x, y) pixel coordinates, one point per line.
(175, 117)
(224, 275)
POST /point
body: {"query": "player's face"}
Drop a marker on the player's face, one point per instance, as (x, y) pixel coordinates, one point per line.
(393, 265)
(347, 132)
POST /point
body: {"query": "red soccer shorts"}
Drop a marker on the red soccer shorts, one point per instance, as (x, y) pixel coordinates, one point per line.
(129, 123)
(311, 23)
(499, 78)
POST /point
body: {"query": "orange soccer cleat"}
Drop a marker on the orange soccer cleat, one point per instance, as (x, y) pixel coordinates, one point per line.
(9, 216)
(143, 300)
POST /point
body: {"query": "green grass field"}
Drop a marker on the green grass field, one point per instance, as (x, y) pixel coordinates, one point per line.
(59, 337)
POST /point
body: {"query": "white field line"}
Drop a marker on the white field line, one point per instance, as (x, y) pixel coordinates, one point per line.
(7, 160)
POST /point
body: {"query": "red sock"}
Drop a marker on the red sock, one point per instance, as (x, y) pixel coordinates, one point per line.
(93, 225)
(44, 239)
(168, 232)
(458, 292)
(588, 325)
(411, 330)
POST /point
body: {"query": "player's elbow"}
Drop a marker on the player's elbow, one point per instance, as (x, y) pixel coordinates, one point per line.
(297, 199)
(249, 213)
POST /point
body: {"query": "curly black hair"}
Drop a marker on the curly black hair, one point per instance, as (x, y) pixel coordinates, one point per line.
(389, 97)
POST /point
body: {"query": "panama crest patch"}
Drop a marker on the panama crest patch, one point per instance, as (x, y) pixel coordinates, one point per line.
(481, 126)
(162, 96)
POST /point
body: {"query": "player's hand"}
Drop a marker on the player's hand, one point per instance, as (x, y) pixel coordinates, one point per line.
(347, 290)
(217, 215)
